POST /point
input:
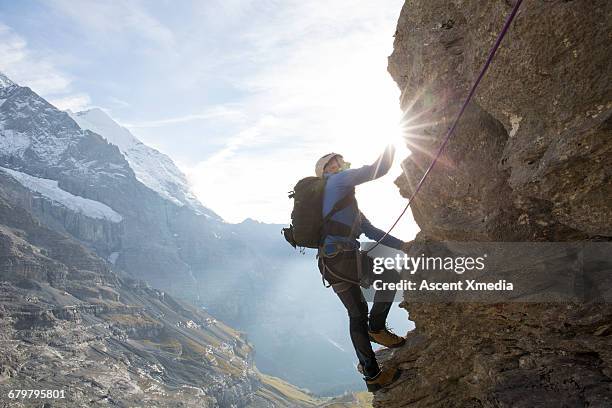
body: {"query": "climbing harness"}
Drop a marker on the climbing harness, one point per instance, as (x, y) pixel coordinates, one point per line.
(452, 128)
(340, 278)
(340, 251)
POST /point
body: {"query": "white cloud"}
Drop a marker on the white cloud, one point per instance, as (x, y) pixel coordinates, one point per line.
(321, 83)
(27, 68)
(220, 111)
(118, 103)
(75, 102)
(242, 185)
(248, 94)
(112, 18)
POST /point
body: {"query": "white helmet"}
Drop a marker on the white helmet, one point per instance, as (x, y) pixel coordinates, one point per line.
(322, 162)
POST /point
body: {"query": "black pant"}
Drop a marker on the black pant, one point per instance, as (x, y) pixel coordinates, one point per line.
(342, 272)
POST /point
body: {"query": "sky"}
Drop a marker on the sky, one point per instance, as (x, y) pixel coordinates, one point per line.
(244, 96)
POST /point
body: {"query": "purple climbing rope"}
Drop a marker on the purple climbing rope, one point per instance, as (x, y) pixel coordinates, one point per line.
(451, 130)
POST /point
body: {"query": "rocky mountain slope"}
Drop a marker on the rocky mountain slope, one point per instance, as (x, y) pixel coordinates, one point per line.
(88, 177)
(155, 234)
(69, 323)
(153, 229)
(530, 161)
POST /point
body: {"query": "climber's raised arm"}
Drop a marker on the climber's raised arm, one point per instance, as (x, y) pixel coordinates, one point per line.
(353, 177)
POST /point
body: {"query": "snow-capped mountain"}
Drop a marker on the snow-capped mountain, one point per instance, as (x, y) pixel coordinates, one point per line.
(91, 178)
(37, 136)
(75, 176)
(87, 177)
(5, 82)
(151, 167)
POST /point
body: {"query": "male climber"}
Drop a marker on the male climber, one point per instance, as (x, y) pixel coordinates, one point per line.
(346, 267)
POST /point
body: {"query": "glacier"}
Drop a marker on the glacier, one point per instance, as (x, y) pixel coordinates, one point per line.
(51, 190)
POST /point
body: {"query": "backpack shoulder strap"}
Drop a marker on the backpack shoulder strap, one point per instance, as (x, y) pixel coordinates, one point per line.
(331, 227)
(340, 204)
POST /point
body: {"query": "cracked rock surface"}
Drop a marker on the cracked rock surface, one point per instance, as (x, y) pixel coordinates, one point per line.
(530, 161)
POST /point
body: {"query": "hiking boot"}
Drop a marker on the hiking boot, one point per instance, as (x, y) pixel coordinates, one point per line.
(384, 378)
(386, 338)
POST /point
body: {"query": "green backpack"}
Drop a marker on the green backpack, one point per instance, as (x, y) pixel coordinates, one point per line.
(308, 225)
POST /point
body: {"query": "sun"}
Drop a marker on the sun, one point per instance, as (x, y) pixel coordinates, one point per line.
(369, 132)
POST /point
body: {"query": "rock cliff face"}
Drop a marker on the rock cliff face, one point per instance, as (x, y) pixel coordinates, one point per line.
(530, 161)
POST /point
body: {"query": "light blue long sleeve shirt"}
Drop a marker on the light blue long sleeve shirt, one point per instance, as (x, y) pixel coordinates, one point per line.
(342, 183)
